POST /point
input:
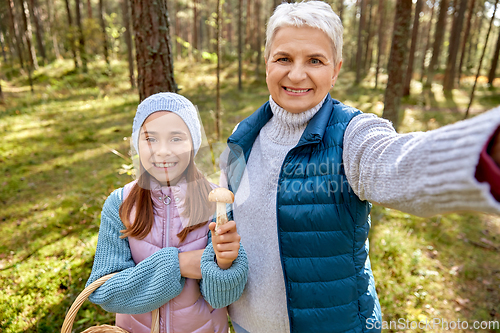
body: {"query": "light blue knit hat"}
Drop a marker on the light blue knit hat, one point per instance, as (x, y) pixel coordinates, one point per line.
(168, 101)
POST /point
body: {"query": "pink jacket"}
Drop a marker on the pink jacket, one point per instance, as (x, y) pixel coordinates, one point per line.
(188, 312)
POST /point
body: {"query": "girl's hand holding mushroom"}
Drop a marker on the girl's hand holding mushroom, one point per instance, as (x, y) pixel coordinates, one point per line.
(226, 243)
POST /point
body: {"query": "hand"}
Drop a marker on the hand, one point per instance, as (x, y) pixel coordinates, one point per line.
(226, 243)
(495, 149)
(189, 264)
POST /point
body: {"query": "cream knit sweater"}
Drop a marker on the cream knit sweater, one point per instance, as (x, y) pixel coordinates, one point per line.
(420, 173)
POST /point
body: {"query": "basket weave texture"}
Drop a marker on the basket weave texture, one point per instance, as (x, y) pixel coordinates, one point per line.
(70, 316)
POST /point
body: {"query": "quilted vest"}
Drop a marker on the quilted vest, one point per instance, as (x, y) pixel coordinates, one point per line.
(188, 312)
(322, 225)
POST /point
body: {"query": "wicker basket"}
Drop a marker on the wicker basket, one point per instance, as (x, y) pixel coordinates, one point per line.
(70, 316)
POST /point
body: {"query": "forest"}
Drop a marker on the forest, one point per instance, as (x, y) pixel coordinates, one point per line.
(73, 71)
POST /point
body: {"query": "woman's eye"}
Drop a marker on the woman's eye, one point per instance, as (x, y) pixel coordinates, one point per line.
(316, 61)
(282, 60)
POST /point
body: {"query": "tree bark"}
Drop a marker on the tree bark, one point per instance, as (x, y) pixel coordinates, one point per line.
(438, 41)
(413, 47)
(240, 42)
(428, 42)
(89, 9)
(2, 39)
(248, 22)
(465, 39)
(397, 60)
(477, 30)
(153, 48)
(38, 30)
(368, 48)
(481, 60)
(71, 36)
(494, 63)
(258, 45)
(52, 35)
(359, 53)
(14, 31)
(103, 31)
(81, 37)
(128, 41)
(456, 31)
(218, 124)
(28, 34)
(381, 38)
(195, 25)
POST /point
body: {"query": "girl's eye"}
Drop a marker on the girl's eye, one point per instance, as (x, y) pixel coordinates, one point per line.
(150, 139)
(176, 139)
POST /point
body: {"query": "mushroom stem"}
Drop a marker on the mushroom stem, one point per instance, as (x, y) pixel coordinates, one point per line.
(221, 214)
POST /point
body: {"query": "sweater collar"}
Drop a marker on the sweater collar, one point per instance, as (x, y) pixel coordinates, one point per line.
(249, 129)
(286, 128)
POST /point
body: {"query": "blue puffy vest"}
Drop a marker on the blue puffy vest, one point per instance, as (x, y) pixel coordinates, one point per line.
(322, 225)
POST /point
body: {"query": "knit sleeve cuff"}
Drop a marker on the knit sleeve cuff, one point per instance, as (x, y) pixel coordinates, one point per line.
(221, 287)
(454, 153)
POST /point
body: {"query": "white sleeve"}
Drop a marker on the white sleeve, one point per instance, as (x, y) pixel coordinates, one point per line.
(420, 173)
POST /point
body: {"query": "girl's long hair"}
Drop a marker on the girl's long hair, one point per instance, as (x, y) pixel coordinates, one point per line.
(197, 207)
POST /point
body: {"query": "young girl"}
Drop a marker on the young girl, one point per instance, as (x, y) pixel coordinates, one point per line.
(154, 232)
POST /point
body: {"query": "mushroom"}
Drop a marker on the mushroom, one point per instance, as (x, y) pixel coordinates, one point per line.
(221, 196)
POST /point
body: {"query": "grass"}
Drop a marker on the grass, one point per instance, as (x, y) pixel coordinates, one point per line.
(58, 165)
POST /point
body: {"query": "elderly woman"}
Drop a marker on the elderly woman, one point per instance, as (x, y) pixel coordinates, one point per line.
(304, 168)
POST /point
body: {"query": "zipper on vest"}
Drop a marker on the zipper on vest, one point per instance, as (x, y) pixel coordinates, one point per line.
(167, 201)
(287, 287)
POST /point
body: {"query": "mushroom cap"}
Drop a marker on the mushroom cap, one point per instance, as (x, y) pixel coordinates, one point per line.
(221, 194)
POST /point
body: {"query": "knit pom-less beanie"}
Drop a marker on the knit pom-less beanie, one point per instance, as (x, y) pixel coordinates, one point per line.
(168, 101)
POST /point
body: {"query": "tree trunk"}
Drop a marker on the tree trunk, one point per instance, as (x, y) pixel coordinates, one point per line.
(494, 63)
(153, 48)
(456, 31)
(397, 61)
(368, 49)
(1, 93)
(89, 9)
(28, 34)
(218, 124)
(248, 26)
(128, 41)
(52, 35)
(481, 60)
(178, 46)
(195, 25)
(258, 45)
(359, 53)
(103, 31)
(81, 37)
(438, 41)
(477, 30)
(428, 42)
(71, 36)
(465, 39)
(14, 31)
(2, 39)
(381, 37)
(341, 10)
(38, 30)
(240, 43)
(413, 47)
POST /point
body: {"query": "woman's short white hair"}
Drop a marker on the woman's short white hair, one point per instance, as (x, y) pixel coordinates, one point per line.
(315, 14)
